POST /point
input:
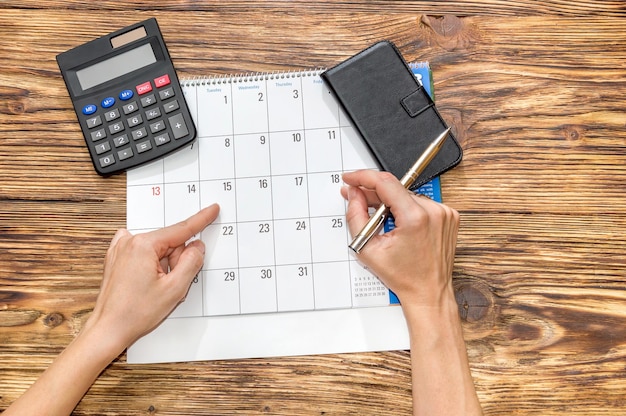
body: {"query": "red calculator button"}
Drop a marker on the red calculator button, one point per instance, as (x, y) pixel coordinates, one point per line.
(162, 81)
(143, 88)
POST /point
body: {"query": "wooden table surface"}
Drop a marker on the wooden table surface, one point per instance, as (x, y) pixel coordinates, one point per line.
(536, 92)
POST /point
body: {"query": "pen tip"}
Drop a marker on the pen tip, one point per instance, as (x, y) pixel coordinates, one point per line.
(443, 136)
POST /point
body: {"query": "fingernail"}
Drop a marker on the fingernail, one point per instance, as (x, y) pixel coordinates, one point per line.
(200, 245)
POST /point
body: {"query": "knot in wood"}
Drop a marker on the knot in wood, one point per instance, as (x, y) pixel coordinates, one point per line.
(473, 303)
(53, 319)
(450, 32)
(12, 100)
(16, 107)
(447, 25)
(573, 132)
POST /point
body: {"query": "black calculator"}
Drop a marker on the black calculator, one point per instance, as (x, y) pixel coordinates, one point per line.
(127, 97)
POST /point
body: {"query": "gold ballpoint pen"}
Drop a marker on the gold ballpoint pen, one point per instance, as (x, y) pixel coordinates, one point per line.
(372, 227)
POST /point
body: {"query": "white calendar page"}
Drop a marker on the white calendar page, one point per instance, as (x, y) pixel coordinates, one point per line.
(278, 277)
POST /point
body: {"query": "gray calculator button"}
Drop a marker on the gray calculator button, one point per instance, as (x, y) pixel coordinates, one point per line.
(154, 113)
(166, 93)
(148, 100)
(98, 135)
(106, 161)
(125, 153)
(157, 126)
(130, 107)
(162, 139)
(103, 147)
(121, 140)
(171, 106)
(112, 114)
(134, 121)
(179, 128)
(144, 146)
(94, 122)
(139, 134)
(116, 127)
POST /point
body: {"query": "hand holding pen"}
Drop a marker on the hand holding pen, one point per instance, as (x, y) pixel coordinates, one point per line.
(373, 226)
(414, 259)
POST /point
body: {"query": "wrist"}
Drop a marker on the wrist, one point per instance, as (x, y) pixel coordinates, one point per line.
(434, 293)
(438, 313)
(105, 342)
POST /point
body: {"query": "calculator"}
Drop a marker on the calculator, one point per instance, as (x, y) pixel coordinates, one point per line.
(127, 98)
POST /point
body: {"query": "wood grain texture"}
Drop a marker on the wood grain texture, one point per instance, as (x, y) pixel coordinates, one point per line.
(458, 8)
(535, 92)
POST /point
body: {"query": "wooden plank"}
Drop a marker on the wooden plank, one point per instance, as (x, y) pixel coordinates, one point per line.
(535, 93)
(459, 8)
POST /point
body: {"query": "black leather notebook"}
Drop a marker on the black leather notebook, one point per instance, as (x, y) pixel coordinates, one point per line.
(392, 111)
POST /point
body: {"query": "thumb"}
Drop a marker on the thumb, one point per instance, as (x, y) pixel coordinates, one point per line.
(188, 265)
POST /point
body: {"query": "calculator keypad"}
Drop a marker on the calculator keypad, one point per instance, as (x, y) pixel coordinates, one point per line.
(135, 122)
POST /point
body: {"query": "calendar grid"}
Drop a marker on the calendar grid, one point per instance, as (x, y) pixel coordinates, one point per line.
(271, 152)
(344, 308)
(305, 138)
(269, 145)
(200, 281)
(236, 219)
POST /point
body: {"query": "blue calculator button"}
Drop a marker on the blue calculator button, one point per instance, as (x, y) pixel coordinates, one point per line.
(89, 109)
(108, 102)
(126, 95)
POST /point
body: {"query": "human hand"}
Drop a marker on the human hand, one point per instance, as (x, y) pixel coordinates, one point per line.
(416, 258)
(147, 275)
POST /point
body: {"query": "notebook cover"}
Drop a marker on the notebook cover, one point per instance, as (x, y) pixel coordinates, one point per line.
(392, 111)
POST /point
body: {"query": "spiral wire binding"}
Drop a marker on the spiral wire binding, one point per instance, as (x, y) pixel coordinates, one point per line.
(249, 77)
(422, 64)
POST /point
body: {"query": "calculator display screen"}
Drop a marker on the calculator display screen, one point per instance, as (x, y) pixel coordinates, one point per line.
(116, 66)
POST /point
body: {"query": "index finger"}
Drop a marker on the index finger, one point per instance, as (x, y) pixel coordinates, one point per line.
(177, 234)
(386, 186)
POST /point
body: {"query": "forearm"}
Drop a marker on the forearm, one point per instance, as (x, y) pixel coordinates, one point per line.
(442, 382)
(65, 382)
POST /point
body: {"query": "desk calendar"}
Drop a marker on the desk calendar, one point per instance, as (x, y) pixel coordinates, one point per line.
(278, 277)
